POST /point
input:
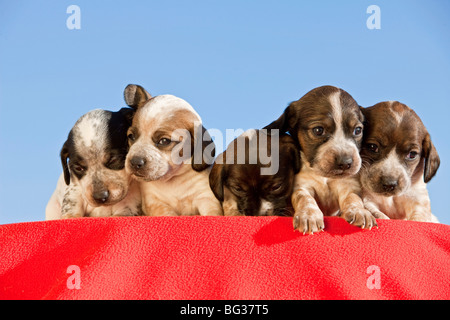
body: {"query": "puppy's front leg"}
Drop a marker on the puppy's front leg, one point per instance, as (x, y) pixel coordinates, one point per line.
(130, 206)
(128, 209)
(230, 209)
(373, 208)
(72, 203)
(308, 218)
(230, 206)
(156, 208)
(208, 207)
(351, 205)
(101, 212)
(353, 211)
(417, 208)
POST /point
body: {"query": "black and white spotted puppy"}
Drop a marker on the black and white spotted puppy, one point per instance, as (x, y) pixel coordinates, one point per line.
(94, 181)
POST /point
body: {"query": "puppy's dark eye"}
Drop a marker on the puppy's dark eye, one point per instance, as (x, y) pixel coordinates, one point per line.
(131, 137)
(318, 131)
(412, 155)
(276, 187)
(238, 189)
(373, 147)
(358, 131)
(164, 142)
(78, 169)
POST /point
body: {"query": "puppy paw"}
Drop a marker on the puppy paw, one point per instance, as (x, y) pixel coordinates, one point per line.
(70, 215)
(379, 215)
(126, 212)
(209, 208)
(309, 222)
(360, 217)
(159, 210)
(421, 217)
(376, 213)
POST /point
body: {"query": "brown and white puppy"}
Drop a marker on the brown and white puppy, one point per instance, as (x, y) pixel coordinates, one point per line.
(328, 125)
(94, 181)
(255, 175)
(170, 155)
(398, 161)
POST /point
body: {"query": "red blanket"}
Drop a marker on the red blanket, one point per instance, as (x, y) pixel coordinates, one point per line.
(222, 258)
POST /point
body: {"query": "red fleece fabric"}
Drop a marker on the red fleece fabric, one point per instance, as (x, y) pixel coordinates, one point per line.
(222, 258)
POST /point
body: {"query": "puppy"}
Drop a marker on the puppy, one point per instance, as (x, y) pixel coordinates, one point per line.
(398, 161)
(328, 125)
(239, 181)
(167, 148)
(94, 181)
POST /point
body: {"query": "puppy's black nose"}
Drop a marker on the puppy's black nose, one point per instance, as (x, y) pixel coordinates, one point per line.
(137, 162)
(389, 184)
(344, 162)
(101, 196)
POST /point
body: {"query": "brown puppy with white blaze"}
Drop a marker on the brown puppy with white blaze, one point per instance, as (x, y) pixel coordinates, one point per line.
(328, 125)
(170, 155)
(398, 161)
(255, 175)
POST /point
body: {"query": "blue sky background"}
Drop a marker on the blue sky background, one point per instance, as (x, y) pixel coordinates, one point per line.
(239, 63)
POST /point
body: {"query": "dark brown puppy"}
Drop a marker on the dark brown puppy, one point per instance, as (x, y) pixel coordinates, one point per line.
(328, 125)
(398, 160)
(255, 175)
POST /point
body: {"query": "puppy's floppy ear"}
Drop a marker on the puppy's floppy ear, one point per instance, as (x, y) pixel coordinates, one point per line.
(64, 157)
(362, 110)
(203, 148)
(135, 96)
(296, 159)
(284, 123)
(216, 177)
(294, 151)
(128, 113)
(431, 156)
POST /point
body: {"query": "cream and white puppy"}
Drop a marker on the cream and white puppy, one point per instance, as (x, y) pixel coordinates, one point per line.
(398, 161)
(170, 155)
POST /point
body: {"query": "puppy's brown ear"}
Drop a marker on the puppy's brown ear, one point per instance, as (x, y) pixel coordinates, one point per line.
(297, 164)
(135, 96)
(64, 157)
(363, 114)
(431, 156)
(203, 149)
(284, 123)
(216, 180)
(294, 151)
